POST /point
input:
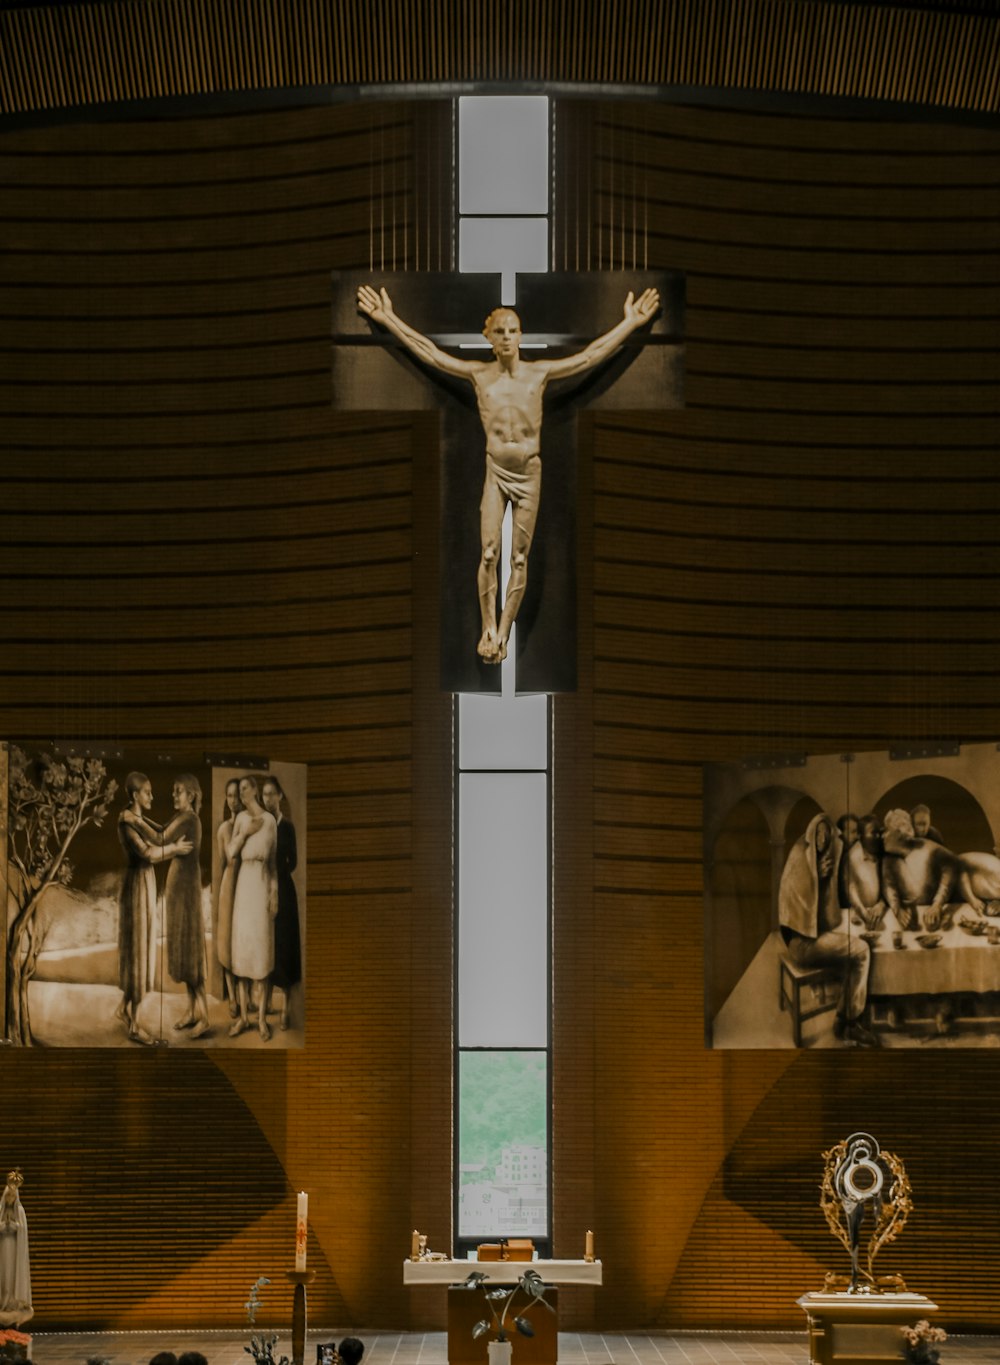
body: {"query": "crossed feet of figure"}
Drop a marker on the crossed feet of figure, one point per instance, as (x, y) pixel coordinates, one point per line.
(491, 649)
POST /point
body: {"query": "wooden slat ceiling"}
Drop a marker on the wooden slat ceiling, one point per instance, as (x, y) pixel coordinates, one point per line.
(943, 56)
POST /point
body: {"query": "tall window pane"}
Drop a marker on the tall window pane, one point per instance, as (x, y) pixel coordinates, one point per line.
(503, 154)
(503, 1144)
(504, 244)
(503, 997)
(503, 732)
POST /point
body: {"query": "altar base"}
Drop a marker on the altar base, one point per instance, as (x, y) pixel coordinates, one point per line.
(466, 1307)
(860, 1328)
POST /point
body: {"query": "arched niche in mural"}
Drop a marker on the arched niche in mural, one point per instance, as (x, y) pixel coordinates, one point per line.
(880, 922)
(739, 873)
(954, 812)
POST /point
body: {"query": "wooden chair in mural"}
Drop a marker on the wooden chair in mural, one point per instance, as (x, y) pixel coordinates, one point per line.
(821, 986)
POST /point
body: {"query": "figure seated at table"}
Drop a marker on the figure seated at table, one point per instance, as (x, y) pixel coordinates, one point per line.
(863, 861)
(925, 883)
(980, 882)
(810, 915)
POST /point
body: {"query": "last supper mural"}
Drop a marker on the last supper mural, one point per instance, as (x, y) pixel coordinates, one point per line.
(853, 900)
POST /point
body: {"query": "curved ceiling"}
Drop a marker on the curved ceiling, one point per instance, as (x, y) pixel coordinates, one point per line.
(79, 58)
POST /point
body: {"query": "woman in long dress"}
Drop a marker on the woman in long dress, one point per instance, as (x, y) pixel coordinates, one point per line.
(255, 904)
(287, 938)
(144, 845)
(182, 899)
(228, 868)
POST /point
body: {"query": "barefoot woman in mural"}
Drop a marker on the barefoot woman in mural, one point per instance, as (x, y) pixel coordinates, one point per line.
(255, 905)
(144, 845)
(228, 868)
(182, 898)
(287, 942)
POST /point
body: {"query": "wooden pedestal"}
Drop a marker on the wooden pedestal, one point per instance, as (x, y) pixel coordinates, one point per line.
(466, 1307)
(860, 1328)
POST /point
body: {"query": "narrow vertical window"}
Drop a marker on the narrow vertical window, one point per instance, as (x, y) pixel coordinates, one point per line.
(502, 780)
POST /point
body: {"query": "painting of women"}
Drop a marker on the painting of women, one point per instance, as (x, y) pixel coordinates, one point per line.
(226, 890)
(255, 905)
(182, 900)
(144, 845)
(287, 971)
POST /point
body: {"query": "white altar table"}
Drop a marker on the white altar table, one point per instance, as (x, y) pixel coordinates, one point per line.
(503, 1272)
(465, 1307)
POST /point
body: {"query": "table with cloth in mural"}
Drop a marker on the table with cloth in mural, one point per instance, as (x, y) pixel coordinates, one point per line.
(960, 965)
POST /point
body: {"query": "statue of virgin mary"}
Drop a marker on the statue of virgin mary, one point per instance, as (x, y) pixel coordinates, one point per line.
(15, 1277)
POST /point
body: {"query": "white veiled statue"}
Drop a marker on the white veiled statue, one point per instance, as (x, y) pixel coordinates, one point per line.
(15, 1275)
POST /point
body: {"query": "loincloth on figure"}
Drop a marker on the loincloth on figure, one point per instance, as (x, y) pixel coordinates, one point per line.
(523, 489)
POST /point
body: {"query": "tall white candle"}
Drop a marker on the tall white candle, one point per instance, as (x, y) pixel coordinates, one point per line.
(588, 1254)
(301, 1228)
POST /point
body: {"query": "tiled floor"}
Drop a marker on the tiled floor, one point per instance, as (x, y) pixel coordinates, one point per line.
(419, 1348)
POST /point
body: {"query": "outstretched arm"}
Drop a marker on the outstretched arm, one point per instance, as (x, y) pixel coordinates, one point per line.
(638, 312)
(377, 305)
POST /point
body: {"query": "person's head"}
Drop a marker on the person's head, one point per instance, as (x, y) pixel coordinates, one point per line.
(271, 795)
(848, 826)
(921, 817)
(192, 1358)
(502, 329)
(870, 833)
(249, 790)
(351, 1350)
(187, 793)
(823, 833)
(899, 822)
(139, 790)
(164, 1358)
(233, 803)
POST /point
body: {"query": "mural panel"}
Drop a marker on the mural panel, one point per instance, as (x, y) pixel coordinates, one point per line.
(854, 900)
(152, 901)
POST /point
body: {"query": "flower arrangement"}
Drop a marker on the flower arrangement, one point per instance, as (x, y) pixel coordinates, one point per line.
(921, 1342)
(501, 1299)
(261, 1347)
(14, 1345)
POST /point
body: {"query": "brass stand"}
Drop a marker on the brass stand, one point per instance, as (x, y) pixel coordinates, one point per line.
(300, 1278)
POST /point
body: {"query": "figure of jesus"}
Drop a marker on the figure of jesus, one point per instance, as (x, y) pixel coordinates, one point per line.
(509, 393)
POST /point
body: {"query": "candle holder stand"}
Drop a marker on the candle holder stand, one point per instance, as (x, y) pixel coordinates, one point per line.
(299, 1278)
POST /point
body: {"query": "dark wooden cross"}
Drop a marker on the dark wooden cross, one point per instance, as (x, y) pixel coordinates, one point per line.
(372, 371)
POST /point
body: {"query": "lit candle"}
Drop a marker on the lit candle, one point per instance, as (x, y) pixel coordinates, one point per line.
(588, 1255)
(415, 1246)
(300, 1231)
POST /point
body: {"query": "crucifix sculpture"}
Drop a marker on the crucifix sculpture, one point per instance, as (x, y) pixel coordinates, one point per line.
(509, 393)
(637, 363)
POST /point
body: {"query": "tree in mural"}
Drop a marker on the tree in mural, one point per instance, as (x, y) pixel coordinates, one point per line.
(49, 802)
